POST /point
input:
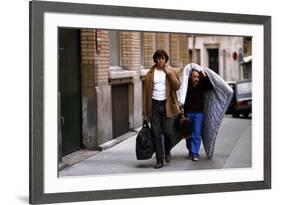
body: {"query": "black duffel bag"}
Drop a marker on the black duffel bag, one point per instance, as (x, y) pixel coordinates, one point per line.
(144, 143)
(182, 129)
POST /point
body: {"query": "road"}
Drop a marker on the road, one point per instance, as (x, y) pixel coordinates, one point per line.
(232, 150)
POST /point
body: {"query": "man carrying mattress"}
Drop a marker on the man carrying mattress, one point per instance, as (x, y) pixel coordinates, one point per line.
(205, 98)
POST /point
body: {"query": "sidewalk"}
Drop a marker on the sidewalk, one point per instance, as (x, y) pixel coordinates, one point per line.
(234, 138)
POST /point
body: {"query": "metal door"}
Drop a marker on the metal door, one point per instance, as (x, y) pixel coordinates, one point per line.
(120, 109)
(70, 89)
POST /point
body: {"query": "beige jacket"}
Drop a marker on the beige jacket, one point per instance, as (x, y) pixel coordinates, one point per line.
(172, 85)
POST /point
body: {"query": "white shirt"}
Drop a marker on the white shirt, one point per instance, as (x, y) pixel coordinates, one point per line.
(159, 85)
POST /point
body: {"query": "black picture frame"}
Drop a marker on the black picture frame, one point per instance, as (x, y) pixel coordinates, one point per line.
(36, 182)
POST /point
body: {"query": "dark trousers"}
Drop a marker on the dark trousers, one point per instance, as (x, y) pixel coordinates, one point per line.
(161, 126)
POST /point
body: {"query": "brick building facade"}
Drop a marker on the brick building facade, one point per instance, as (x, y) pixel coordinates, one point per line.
(102, 72)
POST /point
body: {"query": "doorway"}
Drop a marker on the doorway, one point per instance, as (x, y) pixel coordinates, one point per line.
(70, 89)
(214, 59)
(120, 109)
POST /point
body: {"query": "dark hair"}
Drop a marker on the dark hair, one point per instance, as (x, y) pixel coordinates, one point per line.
(160, 53)
(193, 69)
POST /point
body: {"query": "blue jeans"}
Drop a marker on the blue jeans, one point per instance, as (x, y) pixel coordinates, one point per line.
(193, 144)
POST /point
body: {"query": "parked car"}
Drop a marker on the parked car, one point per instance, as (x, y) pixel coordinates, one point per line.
(230, 107)
(242, 98)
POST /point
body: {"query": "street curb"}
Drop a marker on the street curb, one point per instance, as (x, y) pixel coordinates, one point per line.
(116, 141)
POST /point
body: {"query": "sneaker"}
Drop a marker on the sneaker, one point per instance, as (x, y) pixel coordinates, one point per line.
(195, 159)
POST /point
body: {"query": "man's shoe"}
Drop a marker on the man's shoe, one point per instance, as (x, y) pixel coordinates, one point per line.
(195, 159)
(168, 158)
(189, 156)
(159, 164)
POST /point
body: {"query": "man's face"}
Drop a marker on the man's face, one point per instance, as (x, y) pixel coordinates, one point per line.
(195, 77)
(160, 62)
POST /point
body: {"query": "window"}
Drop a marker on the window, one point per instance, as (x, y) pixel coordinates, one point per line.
(195, 58)
(114, 48)
(244, 88)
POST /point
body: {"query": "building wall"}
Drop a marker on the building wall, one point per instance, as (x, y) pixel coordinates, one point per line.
(148, 48)
(136, 51)
(163, 42)
(247, 46)
(247, 67)
(130, 50)
(176, 46)
(88, 95)
(229, 68)
(179, 55)
(96, 92)
(131, 60)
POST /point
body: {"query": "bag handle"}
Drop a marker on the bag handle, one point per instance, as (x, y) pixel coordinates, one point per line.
(145, 123)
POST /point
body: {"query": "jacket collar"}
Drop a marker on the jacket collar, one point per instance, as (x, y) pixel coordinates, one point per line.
(154, 66)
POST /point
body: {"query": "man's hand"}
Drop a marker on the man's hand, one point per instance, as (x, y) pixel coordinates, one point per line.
(167, 69)
(181, 106)
(145, 117)
(199, 69)
(203, 73)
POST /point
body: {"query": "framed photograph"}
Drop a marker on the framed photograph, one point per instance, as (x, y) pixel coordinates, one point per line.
(88, 65)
